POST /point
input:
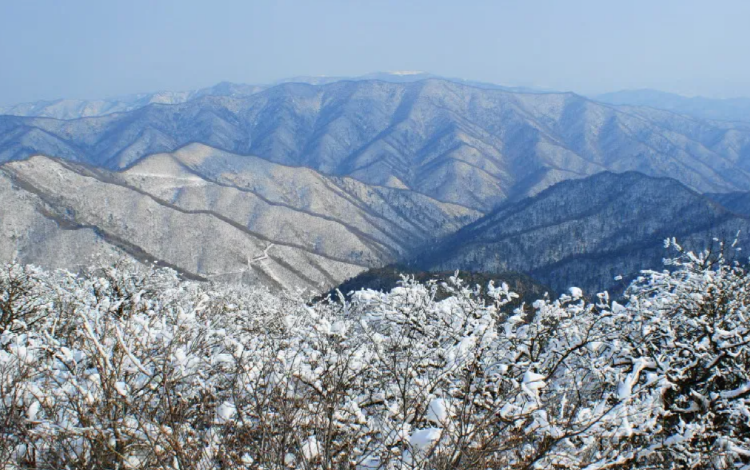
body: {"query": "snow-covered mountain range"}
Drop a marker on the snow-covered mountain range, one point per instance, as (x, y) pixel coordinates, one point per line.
(343, 175)
(79, 108)
(727, 109)
(215, 216)
(596, 233)
(456, 143)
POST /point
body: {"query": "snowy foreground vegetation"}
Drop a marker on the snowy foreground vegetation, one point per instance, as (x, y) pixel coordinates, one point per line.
(126, 367)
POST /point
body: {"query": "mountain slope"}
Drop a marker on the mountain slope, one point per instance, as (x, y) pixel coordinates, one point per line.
(731, 109)
(470, 146)
(75, 109)
(214, 215)
(586, 232)
(79, 108)
(738, 202)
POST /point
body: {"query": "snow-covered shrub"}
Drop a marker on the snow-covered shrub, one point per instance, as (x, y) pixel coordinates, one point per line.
(22, 303)
(131, 367)
(687, 338)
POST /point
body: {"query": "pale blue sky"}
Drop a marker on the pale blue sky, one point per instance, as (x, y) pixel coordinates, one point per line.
(97, 48)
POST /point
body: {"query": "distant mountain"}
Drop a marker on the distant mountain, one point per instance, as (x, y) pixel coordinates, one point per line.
(737, 202)
(585, 232)
(409, 77)
(215, 216)
(455, 143)
(732, 109)
(75, 109)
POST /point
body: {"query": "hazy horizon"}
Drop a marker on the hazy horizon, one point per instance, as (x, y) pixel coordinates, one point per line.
(85, 49)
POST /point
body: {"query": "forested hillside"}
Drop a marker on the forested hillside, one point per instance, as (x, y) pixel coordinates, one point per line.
(597, 232)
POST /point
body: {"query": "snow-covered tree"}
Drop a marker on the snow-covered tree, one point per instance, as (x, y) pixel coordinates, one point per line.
(130, 367)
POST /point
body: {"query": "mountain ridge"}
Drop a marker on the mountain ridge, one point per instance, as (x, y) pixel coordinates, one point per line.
(321, 229)
(434, 137)
(66, 109)
(725, 109)
(586, 231)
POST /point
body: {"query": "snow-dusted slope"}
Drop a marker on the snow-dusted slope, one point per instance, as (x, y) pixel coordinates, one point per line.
(214, 215)
(738, 202)
(79, 108)
(456, 143)
(729, 109)
(587, 231)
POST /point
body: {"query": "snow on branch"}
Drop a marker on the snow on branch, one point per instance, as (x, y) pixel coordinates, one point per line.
(132, 368)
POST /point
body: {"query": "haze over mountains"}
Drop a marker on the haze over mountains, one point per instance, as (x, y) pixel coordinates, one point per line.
(307, 184)
(78, 108)
(729, 109)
